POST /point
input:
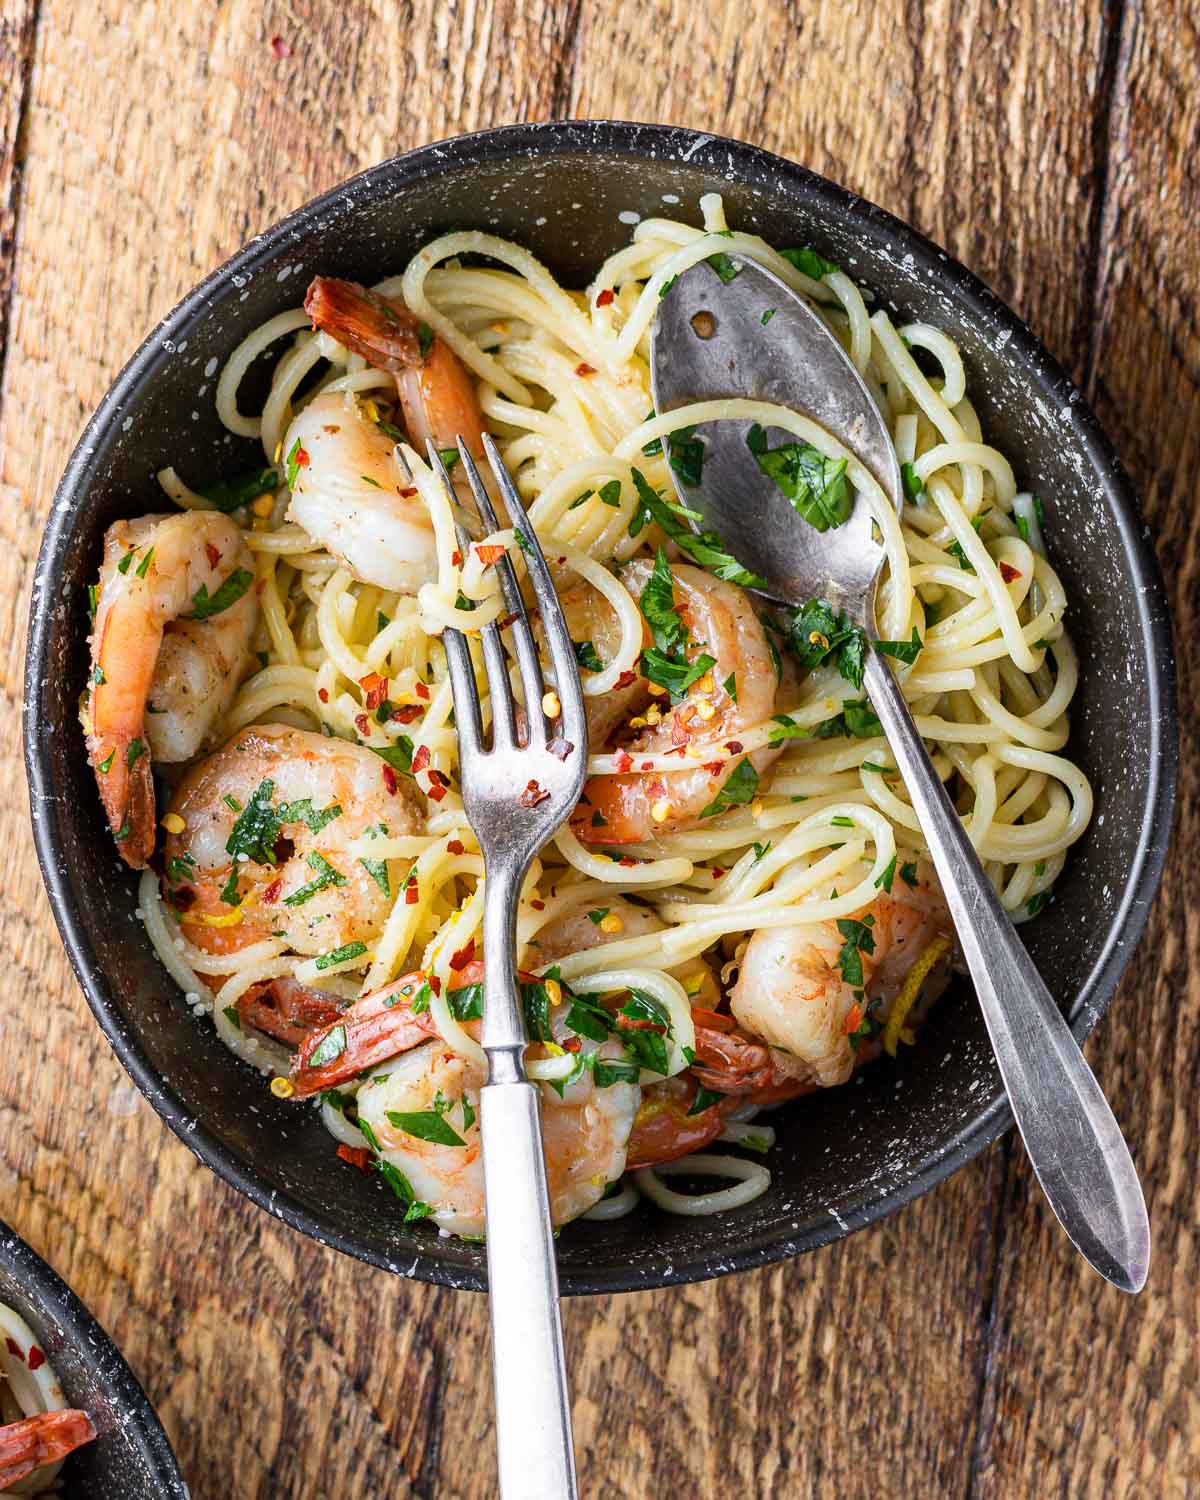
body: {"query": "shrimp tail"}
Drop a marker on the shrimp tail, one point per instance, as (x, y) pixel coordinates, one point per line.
(379, 1026)
(665, 1127)
(127, 794)
(44, 1439)
(382, 330)
(287, 1010)
(729, 1062)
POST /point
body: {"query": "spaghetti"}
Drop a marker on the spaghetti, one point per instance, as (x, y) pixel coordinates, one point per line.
(745, 847)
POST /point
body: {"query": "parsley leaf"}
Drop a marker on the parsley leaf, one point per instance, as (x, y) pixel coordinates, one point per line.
(674, 673)
(326, 876)
(806, 259)
(657, 603)
(686, 455)
(587, 656)
(705, 548)
(883, 881)
(858, 940)
(341, 955)
(905, 651)
(426, 1125)
(332, 1045)
(816, 485)
(724, 265)
(741, 787)
(205, 606)
(378, 871)
(913, 487)
(228, 494)
(705, 1099)
(257, 828)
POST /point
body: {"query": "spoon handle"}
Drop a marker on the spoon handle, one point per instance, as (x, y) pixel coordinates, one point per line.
(1073, 1141)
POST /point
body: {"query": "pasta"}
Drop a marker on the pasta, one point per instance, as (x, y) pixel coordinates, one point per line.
(731, 913)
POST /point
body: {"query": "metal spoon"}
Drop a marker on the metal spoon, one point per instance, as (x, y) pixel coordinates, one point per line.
(710, 341)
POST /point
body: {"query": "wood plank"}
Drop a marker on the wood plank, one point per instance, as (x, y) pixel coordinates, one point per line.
(1085, 1384)
(17, 19)
(281, 1368)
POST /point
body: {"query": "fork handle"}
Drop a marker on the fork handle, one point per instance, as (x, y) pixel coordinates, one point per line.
(533, 1404)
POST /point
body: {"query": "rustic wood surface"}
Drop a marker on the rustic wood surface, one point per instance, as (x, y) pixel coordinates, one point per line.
(958, 1350)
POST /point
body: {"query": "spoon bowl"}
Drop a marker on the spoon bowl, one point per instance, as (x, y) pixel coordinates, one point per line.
(713, 338)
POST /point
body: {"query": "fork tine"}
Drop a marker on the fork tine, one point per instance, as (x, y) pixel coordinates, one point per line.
(558, 637)
(522, 635)
(504, 725)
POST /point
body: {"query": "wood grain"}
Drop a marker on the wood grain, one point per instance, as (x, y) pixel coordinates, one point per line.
(957, 1350)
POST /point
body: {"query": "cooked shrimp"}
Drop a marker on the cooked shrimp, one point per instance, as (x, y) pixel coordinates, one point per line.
(175, 610)
(584, 1134)
(380, 1026)
(47, 1438)
(269, 822)
(351, 498)
(634, 806)
(578, 930)
(349, 494)
(793, 993)
(437, 394)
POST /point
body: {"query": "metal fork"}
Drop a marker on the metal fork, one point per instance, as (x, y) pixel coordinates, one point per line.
(516, 795)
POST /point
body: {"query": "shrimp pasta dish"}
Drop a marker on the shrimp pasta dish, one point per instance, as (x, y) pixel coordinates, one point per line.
(37, 1428)
(740, 909)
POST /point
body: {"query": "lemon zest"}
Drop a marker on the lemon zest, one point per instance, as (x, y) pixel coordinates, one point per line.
(895, 1030)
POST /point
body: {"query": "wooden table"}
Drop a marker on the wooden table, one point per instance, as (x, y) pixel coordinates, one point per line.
(958, 1350)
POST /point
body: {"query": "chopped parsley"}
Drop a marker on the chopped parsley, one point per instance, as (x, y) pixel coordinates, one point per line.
(205, 606)
(908, 873)
(741, 787)
(816, 485)
(341, 955)
(331, 1047)
(724, 265)
(883, 881)
(378, 871)
(686, 455)
(598, 915)
(106, 764)
(143, 567)
(293, 464)
(587, 656)
(1038, 902)
(767, 316)
(326, 876)
(610, 493)
(705, 547)
(705, 1099)
(913, 487)
(806, 259)
(398, 754)
(427, 1125)
(646, 1044)
(816, 634)
(424, 339)
(858, 940)
(229, 494)
(905, 651)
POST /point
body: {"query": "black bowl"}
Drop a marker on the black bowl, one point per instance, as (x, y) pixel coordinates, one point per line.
(131, 1458)
(845, 1157)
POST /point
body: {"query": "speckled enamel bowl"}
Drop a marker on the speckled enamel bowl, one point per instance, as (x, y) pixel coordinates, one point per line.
(131, 1458)
(569, 192)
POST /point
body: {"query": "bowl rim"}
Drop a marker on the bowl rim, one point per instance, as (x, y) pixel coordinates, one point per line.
(763, 169)
(51, 1297)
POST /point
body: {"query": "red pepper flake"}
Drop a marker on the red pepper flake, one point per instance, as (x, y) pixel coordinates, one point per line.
(357, 1156)
(571, 1044)
(407, 712)
(455, 846)
(302, 458)
(605, 297)
(490, 554)
(622, 760)
(408, 493)
(323, 694)
(422, 691)
(714, 767)
(420, 759)
(583, 368)
(412, 893)
(537, 905)
(435, 984)
(627, 862)
(853, 1019)
(376, 689)
(36, 1358)
(716, 872)
(389, 781)
(272, 891)
(560, 748)
(506, 620)
(362, 724)
(437, 785)
(647, 765)
(1008, 572)
(212, 553)
(734, 746)
(282, 50)
(675, 750)
(463, 957)
(625, 679)
(532, 795)
(14, 1348)
(456, 558)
